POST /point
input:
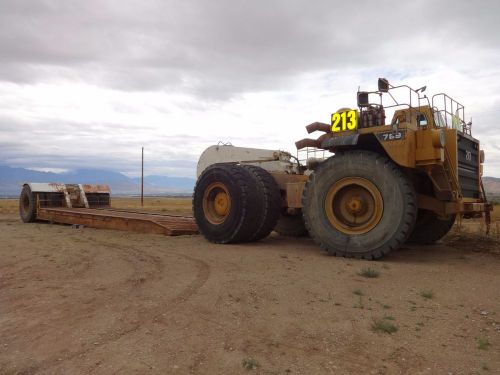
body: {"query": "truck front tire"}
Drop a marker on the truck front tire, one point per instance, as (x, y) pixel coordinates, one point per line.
(359, 204)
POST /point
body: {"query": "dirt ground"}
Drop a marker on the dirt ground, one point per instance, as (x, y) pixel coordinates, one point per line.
(89, 301)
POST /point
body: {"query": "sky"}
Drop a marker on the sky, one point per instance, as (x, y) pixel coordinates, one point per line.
(86, 84)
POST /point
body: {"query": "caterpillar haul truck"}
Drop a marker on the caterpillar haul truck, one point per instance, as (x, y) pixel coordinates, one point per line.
(381, 184)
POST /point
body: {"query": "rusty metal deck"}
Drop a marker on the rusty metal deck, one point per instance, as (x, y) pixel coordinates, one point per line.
(109, 218)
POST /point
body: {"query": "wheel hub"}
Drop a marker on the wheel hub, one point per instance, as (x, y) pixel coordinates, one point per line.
(216, 203)
(354, 205)
(221, 203)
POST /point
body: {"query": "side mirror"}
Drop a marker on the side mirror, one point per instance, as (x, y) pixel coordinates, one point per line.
(363, 99)
(383, 85)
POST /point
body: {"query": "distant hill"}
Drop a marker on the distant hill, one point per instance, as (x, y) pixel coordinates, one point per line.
(163, 182)
(492, 186)
(11, 180)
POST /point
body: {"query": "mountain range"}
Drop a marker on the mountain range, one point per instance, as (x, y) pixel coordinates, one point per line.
(12, 179)
(492, 187)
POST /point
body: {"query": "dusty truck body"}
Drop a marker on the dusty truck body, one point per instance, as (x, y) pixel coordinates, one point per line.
(376, 186)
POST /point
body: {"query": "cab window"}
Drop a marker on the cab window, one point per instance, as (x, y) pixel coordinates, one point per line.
(421, 120)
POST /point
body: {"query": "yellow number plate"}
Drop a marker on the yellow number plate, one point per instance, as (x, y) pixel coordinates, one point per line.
(343, 121)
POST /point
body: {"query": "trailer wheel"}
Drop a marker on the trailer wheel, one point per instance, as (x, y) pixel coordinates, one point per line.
(430, 228)
(291, 226)
(27, 205)
(270, 196)
(359, 204)
(226, 204)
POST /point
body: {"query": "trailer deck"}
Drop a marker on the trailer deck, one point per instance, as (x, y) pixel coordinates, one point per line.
(109, 218)
(90, 205)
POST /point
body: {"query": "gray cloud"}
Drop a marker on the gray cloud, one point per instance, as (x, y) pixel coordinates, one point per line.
(70, 145)
(219, 49)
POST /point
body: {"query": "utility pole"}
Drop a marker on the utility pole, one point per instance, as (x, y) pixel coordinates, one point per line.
(142, 179)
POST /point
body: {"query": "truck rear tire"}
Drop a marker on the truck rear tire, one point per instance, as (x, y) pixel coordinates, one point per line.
(291, 226)
(227, 205)
(359, 204)
(430, 228)
(270, 197)
(27, 205)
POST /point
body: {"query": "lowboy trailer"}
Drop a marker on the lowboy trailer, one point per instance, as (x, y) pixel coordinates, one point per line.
(90, 205)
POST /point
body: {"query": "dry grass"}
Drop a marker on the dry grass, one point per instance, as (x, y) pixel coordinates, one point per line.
(250, 363)
(471, 234)
(151, 204)
(427, 294)
(156, 204)
(369, 272)
(469, 231)
(483, 343)
(495, 215)
(384, 325)
(9, 206)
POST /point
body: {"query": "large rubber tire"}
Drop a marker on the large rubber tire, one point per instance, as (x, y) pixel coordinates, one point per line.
(27, 205)
(430, 228)
(375, 189)
(269, 193)
(227, 205)
(291, 226)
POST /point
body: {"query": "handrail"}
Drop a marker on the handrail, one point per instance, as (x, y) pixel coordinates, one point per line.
(454, 111)
(412, 100)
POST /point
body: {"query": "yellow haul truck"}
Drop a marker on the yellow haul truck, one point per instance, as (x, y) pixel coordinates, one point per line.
(382, 185)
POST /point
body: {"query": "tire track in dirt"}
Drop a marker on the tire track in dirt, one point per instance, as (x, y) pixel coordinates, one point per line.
(84, 261)
(153, 315)
(200, 280)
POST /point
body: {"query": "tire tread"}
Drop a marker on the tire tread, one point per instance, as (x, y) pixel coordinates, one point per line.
(269, 195)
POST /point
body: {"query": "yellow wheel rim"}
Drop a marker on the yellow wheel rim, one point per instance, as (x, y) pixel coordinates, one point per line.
(216, 203)
(354, 205)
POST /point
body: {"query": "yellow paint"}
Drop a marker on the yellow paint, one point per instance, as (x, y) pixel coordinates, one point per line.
(344, 121)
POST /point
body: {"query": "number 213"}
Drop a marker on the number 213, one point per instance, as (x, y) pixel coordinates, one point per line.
(344, 121)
